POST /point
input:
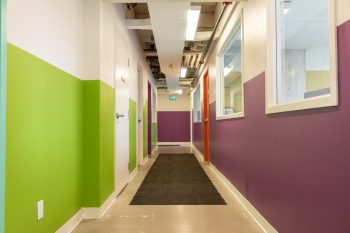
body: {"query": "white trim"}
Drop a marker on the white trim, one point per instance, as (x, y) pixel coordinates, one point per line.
(144, 160)
(258, 218)
(230, 116)
(133, 174)
(154, 150)
(329, 100)
(174, 143)
(230, 31)
(87, 213)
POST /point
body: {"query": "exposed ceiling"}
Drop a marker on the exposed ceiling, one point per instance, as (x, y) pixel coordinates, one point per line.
(165, 44)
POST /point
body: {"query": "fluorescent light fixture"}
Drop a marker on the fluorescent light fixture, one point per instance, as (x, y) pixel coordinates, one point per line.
(179, 92)
(183, 72)
(192, 21)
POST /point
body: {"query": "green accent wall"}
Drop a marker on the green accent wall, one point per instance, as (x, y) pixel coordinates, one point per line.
(107, 112)
(98, 142)
(145, 129)
(2, 111)
(132, 135)
(154, 135)
(60, 144)
(91, 197)
(44, 144)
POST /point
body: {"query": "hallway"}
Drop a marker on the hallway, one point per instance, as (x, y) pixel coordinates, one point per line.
(125, 218)
(96, 94)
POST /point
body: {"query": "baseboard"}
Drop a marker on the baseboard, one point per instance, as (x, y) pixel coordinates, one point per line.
(87, 213)
(174, 143)
(254, 213)
(198, 154)
(144, 160)
(133, 174)
(154, 150)
(71, 223)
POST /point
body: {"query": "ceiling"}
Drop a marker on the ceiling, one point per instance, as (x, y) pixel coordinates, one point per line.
(164, 40)
(305, 23)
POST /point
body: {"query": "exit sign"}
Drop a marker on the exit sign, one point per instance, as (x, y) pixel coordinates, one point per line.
(172, 97)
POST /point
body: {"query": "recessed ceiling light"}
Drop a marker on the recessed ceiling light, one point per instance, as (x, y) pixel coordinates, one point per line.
(286, 10)
(192, 22)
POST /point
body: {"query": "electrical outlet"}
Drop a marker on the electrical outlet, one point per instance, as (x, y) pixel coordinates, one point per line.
(40, 208)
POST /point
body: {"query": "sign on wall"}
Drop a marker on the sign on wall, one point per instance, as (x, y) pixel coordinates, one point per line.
(172, 97)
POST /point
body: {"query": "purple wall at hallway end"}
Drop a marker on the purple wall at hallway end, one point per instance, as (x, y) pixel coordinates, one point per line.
(293, 167)
(174, 126)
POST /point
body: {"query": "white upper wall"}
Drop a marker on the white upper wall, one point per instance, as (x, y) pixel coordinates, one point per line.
(182, 102)
(49, 29)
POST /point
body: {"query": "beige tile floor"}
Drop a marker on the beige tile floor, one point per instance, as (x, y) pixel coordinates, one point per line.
(123, 218)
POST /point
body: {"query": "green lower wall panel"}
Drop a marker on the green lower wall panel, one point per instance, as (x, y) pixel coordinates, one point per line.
(44, 144)
(91, 197)
(132, 135)
(145, 129)
(154, 135)
(106, 141)
(60, 144)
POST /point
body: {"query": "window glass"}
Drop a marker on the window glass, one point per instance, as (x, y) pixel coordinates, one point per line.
(231, 75)
(303, 53)
(197, 105)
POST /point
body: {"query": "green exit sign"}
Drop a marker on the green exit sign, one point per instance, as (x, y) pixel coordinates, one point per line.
(172, 97)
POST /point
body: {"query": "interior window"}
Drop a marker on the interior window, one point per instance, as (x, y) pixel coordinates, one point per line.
(231, 75)
(197, 105)
(303, 53)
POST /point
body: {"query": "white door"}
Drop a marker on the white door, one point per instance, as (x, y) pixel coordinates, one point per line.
(121, 113)
(139, 117)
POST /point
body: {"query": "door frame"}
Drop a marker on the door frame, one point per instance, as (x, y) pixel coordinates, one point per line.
(206, 117)
(139, 127)
(3, 53)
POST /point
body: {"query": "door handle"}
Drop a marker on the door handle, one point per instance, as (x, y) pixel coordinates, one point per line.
(119, 115)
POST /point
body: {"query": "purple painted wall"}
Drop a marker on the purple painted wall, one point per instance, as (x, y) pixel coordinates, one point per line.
(293, 167)
(149, 119)
(174, 126)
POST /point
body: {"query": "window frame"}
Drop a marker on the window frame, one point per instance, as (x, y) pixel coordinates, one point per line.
(233, 27)
(198, 88)
(328, 100)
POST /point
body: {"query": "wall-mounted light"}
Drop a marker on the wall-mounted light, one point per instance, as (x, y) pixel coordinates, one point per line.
(183, 72)
(192, 22)
(179, 92)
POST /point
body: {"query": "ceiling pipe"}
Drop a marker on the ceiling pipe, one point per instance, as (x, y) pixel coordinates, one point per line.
(201, 62)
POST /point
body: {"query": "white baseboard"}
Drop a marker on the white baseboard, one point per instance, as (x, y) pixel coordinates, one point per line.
(154, 150)
(254, 213)
(174, 143)
(87, 213)
(133, 174)
(144, 160)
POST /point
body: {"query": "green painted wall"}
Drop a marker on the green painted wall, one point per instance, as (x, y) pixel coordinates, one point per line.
(98, 142)
(145, 129)
(2, 111)
(60, 144)
(154, 135)
(132, 135)
(44, 144)
(91, 197)
(106, 141)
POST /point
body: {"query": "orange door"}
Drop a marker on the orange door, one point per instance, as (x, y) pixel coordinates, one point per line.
(206, 117)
